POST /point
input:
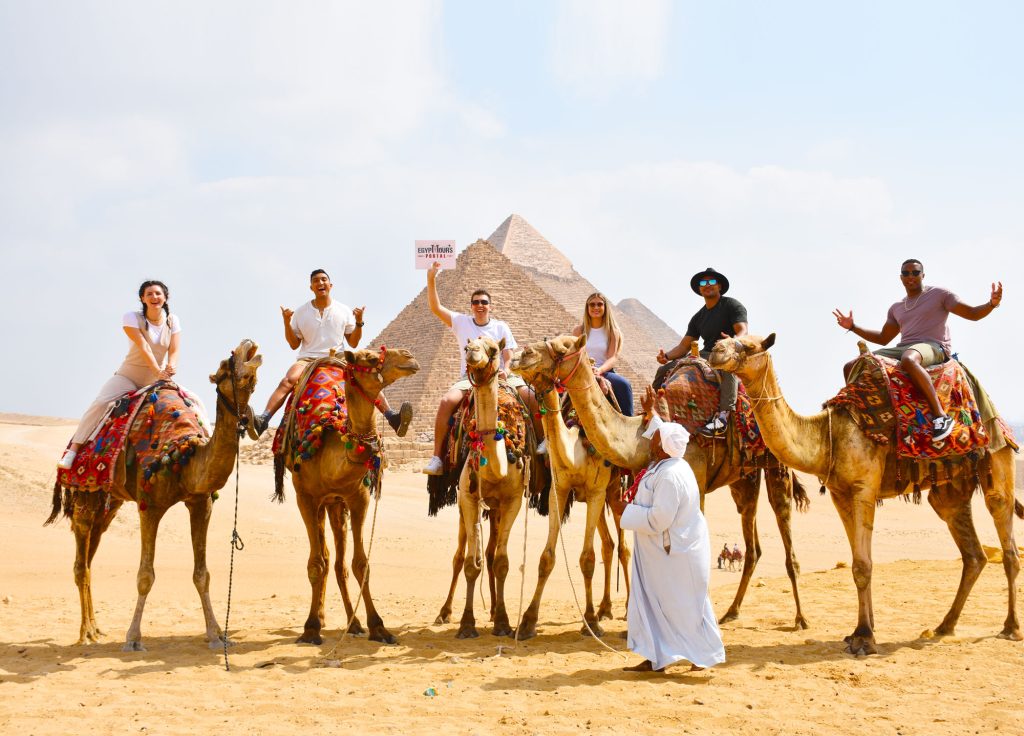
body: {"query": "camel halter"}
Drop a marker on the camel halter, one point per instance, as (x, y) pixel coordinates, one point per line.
(232, 404)
(560, 383)
(764, 383)
(351, 370)
(487, 376)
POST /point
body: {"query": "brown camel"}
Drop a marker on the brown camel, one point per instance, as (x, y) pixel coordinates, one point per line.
(620, 439)
(331, 484)
(207, 472)
(574, 469)
(489, 480)
(831, 446)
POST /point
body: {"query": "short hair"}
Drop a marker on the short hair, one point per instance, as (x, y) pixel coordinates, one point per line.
(319, 270)
(912, 260)
(478, 292)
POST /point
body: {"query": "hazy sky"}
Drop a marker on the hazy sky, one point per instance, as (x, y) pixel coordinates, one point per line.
(228, 148)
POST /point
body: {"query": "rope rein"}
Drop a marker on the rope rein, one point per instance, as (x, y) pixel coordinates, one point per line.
(236, 540)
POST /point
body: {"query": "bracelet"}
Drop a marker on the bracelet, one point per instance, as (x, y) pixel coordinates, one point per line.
(360, 324)
(991, 305)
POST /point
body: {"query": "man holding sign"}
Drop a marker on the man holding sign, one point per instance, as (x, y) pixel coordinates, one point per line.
(467, 327)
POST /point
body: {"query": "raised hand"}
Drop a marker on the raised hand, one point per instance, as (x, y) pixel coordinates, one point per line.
(647, 401)
(357, 312)
(843, 320)
(287, 314)
(997, 294)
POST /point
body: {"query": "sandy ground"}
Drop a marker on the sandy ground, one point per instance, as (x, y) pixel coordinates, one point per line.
(776, 679)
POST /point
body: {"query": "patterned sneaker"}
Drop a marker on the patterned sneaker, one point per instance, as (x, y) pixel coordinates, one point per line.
(434, 467)
(67, 460)
(942, 427)
(399, 420)
(715, 427)
(259, 425)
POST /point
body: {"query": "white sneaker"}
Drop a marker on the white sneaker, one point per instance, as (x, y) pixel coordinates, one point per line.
(67, 460)
(434, 467)
(542, 448)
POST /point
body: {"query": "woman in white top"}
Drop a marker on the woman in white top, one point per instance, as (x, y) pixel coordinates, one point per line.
(604, 342)
(154, 336)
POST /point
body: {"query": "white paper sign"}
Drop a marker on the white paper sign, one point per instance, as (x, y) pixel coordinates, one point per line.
(428, 251)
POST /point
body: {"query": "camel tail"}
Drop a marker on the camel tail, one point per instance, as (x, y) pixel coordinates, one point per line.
(278, 479)
(61, 501)
(1018, 508)
(803, 501)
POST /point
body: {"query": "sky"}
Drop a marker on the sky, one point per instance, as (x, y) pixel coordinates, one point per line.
(804, 149)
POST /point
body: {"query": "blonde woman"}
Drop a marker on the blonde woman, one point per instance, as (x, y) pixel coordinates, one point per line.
(604, 343)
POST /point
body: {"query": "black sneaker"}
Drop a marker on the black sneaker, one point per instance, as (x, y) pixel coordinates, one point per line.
(258, 425)
(942, 427)
(399, 420)
(715, 427)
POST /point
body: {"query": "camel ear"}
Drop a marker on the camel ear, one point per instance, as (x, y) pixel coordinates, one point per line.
(350, 357)
(501, 344)
(581, 341)
(768, 341)
(213, 378)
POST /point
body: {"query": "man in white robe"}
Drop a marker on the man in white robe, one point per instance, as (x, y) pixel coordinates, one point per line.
(670, 614)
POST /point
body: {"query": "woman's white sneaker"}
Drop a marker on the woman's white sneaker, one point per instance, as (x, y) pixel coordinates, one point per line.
(67, 460)
(434, 467)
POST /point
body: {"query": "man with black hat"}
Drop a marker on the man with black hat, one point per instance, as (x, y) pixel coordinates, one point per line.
(721, 316)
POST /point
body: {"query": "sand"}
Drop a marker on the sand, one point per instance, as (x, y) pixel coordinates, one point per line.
(776, 679)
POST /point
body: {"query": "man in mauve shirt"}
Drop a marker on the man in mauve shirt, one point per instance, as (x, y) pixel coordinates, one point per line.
(920, 320)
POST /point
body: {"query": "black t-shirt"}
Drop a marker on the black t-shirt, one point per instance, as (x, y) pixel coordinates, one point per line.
(709, 324)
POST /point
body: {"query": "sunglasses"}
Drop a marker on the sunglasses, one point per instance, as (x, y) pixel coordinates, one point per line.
(707, 282)
(913, 272)
(595, 304)
(481, 302)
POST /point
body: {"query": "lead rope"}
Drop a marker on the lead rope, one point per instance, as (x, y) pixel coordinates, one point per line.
(236, 540)
(526, 528)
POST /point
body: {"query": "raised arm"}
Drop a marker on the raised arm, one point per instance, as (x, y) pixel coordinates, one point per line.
(982, 310)
(357, 334)
(289, 334)
(882, 337)
(440, 311)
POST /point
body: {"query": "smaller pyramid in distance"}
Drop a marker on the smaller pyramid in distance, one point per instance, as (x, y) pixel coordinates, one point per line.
(660, 332)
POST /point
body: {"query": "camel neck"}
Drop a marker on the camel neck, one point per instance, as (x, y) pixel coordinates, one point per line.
(617, 437)
(215, 460)
(485, 397)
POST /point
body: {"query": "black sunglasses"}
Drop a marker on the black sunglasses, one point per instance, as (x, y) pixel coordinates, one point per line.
(596, 304)
(913, 272)
(478, 302)
(707, 282)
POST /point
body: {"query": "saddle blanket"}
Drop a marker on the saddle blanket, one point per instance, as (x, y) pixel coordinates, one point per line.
(320, 407)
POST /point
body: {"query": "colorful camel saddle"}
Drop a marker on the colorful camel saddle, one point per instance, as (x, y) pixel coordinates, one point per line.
(464, 442)
(158, 423)
(315, 408)
(889, 409)
(690, 394)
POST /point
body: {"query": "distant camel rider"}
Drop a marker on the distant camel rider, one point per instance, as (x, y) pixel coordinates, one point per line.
(721, 316)
(920, 320)
(314, 329)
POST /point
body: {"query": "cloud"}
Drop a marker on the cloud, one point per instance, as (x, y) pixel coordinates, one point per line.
(602, 46)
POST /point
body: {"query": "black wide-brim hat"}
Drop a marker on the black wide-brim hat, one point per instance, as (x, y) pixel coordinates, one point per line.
(709, 273)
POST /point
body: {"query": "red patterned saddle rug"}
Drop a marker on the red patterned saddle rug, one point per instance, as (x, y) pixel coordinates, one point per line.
(320, 408)
(888, 408)
(691, 394)
(157, 422)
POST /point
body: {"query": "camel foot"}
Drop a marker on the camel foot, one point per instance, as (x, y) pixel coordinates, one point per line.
(527, 630)
(133, 646)
(945, 629)
(801, 623)
(310, 637)
(467, 631)
(89, 637)
(444, 617)
(219, 643)
(595, 627)
(383, 636)
(731, 615)
(503, 629)
(356, 628)
(1011, 634)
(860, 645)
(604, 611)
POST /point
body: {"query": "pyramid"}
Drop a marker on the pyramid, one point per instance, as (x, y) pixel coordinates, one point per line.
(653, 325)
(534, 288)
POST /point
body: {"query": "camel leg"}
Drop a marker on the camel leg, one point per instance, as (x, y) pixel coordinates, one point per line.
(528, 625)
(588, 560)
(604, 610)
(509, 511)
(780, 496)
(469, 511)
(492, 543)
(745, 492)
(87, 529)
(313, 515)
(337, 515)
(857, 512)
(999, 500)
(361, 568)
(458, 561)
(200, 509)
(149, 523)
(954, 508)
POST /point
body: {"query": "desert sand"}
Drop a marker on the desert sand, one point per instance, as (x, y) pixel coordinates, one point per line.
(776, 680)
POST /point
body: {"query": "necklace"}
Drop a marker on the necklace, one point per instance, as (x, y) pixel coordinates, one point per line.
(907, 306)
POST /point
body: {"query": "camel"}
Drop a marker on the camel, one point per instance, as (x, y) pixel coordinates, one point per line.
(573, 468)
(831, 446)
(208, 470)
(620, 439)
(459, 561)
(331, 484)
(488, 480)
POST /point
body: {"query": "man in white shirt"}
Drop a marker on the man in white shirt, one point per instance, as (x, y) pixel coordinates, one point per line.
(317, 327)
(466, 328)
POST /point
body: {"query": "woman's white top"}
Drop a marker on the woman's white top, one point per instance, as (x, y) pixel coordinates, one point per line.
(597, 345)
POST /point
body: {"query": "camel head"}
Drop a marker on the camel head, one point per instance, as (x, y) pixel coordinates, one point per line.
(375, 369)
(242, 365)
(539, 363)
(734, 354)
(483, 357)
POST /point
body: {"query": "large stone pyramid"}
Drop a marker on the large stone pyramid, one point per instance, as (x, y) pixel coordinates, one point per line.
(534, 288)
